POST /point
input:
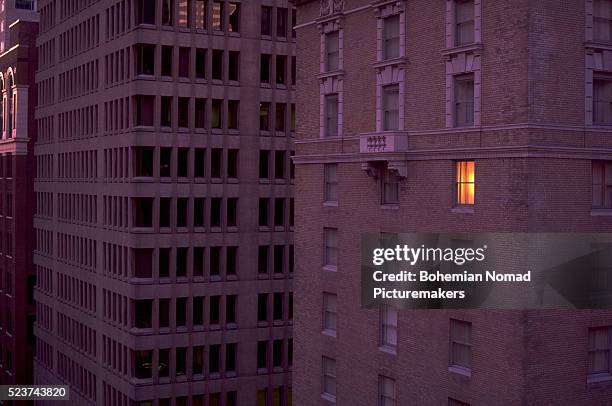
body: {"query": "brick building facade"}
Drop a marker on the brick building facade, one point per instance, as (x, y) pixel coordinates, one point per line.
(444, 116)
(164, 244)
(17, 278)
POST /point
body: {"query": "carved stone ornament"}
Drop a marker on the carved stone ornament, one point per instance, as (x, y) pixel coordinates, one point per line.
(331, 6)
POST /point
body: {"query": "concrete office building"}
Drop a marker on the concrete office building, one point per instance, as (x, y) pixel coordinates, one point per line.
(164, 231)
(447, 116)
(17, 278)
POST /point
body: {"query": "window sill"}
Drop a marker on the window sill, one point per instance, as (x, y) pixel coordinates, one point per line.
(330, 204)
(400, 60)
(596, 378)
(329, 333)
(463, 210)
(389, 206)
(601, 212)
(330, 268)
(328, 397)
(474, 47)
(388, 349)
(596, 44)
(330, 74)
(460, 370)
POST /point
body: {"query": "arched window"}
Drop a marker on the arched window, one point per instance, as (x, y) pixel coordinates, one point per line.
(10, 107)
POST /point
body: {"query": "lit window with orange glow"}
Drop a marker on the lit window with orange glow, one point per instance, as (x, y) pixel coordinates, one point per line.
(465, 186)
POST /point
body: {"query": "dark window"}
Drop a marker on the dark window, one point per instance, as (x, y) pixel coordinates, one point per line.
(280, 117)
(217, 64)
(183, 112)
(230, 357)
(279, 164)
(215, 212)
(143, 161)
(163, 363)
(145, 110)
(143, 212)
(200, 113)
(279, 258)
(164, 313)
(198, 311)
(233, 108)
(181, 311)
(232, 212)
(262, 307)
(143, 262)
(184, 62)
(281, 22)
(262, 259)
(266, 20)
(264, 74)
(215, 308)
(199, 212)
(198, 363)
(281, 69)
(164, 262)
(277, 353)
(231, 260)
(230, 308)
(279, 212)
(264, 208)
(164, 211)
(214, 358)
(200, 63)
(142, 364)
(143, 313)
(216, 121)
(277, 309)
(167, 9)
(215, 261)
(215, 162)
(262, 354)
(234, 65)
(145, 59)
(165, 117)
(145, 12)
(165, 162)
(166, 62)
(232, 163)
(183, 162)
(264, 116)
(181, 261)
(199, 163)
(198, 261)
(264, 164)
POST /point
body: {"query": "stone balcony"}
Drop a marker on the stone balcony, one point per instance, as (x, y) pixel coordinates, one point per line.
(386, 141)
(382, 148)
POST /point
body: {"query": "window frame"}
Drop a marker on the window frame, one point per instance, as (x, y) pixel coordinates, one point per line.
(461, 183)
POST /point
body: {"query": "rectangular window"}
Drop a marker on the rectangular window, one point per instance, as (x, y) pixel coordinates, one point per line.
(234, 65)
(200, 113)
(330, 312)
(464, 22)
(216, 113)
(167, 8)
(184, 62)
(331, 115)
(264, 207)
(215, 212)
(234, 17)
(390, 107)
(230, 307)
(465, 185)
(388, 327)
(183, 15)
(262, 307)
(266, 20)
(331, 182)
(230, 360)
(390, 188)
(164, 212)
(163, 364)
(214, 359)
(264, 116)
(262, 354)
(280, 117)
(164, 262)
(145, 59)
(200, 14)
(165, 162)
(218, 16)
(602, 20)
(142, 364)
(602, 99)
(264, 164)
(279, 165)
(460, 344)
(166, 62)
(329, 377)
(602, 184)
(232, 163)
(182, 205)
(386, 391)
(277, 306)
(215, 306)
(232, 212)
(164, 313)
(599, 352)
(391, 37)
(145, 12)
(281, 22)
(264, 68)
(198, 360)
(165, 116)
(198, 311)
(464, 100)
(279, 258)
(233, 107)
(183, 112)
(198, 260)
(332, 49)
(279, 212)
(277, 353)
(281, 70)
(217, 64)
(200, 63)
(144, 110)
(331, 246)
